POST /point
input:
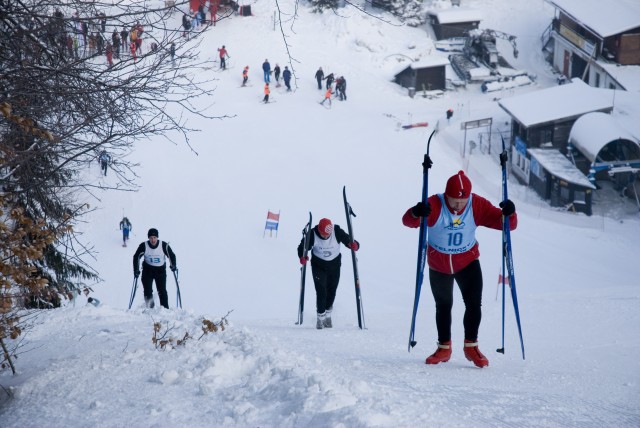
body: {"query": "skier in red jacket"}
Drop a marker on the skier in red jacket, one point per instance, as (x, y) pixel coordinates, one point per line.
(222, 52)
(452, 254)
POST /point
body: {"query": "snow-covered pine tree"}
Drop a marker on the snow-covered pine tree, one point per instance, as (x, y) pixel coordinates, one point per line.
(409, 11)
(320, 6)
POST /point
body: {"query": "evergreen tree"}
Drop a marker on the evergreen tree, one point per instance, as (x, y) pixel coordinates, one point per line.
(414, 14)
(320, 6)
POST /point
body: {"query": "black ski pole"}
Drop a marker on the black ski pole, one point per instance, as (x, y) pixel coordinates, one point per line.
(178, 296)
(133, 291)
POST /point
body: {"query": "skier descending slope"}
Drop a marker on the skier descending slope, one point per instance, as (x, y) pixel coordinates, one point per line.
(452, 218)
(324, 242)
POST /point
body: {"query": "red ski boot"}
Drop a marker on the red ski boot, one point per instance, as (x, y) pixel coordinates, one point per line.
(442, 354)
(472, 353)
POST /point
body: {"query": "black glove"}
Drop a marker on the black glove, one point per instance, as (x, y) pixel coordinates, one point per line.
(136, 273)
(421, 209)
(503, 158)
(427, 163)
(508, 208)
(173, 268)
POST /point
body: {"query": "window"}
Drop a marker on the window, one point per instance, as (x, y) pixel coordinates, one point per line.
(597, 83)
(579, 196)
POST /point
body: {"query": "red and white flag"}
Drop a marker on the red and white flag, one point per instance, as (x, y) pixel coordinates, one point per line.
(273, 221)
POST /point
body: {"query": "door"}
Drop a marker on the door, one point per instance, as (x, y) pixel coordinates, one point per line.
(567, 61)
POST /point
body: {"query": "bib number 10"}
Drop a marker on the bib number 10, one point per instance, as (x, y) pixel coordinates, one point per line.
(455, 239)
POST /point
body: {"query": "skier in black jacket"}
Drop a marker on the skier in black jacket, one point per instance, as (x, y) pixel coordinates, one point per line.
(154, 267)
(320, 77)
(324, 242)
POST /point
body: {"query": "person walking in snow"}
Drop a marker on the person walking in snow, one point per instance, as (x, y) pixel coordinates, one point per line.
(286, 76)
(324, 243)
(109, 54)
(320, 77)
(245, 75)
(124, 36)
(330, 80)
(104, 159)
(327, 96)
(452, 218)
(276, 75)
(222, 52)
(186, 25)
(125, 227)
(132, 48)
(266, 67)
(341, 88)
(115, 39)
(267, 91)
(154, 267)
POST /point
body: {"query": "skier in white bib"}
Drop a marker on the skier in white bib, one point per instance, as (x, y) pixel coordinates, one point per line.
(324, 242)
(154, 267)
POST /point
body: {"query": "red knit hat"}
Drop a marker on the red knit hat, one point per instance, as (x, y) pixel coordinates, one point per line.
(325, 226)
(458, 186)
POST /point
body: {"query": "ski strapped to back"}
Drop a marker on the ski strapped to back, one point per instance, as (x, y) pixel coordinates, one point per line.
(303, 269)
(349, 212)
(507, 255)
(422, 243)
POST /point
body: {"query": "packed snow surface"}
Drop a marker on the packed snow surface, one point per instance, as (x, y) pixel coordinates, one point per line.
(577, 276)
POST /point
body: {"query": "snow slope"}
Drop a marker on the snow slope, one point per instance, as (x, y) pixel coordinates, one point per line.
(577, 276)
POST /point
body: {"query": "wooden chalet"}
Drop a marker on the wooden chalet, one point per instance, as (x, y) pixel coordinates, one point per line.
(453, 22)
(425, 75)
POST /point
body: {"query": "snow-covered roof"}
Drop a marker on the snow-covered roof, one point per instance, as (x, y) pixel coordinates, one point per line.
(593, 131)
(605, 18)
(564, 101)
(557, 164)
(626, 111)
(430, 61)
(456, 14)
(626, 75)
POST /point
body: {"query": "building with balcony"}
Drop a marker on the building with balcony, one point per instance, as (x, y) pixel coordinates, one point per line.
(595, 40)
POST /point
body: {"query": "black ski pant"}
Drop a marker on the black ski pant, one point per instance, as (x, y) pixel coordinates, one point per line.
(326, 276)
(469, 281)
(159, 274)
